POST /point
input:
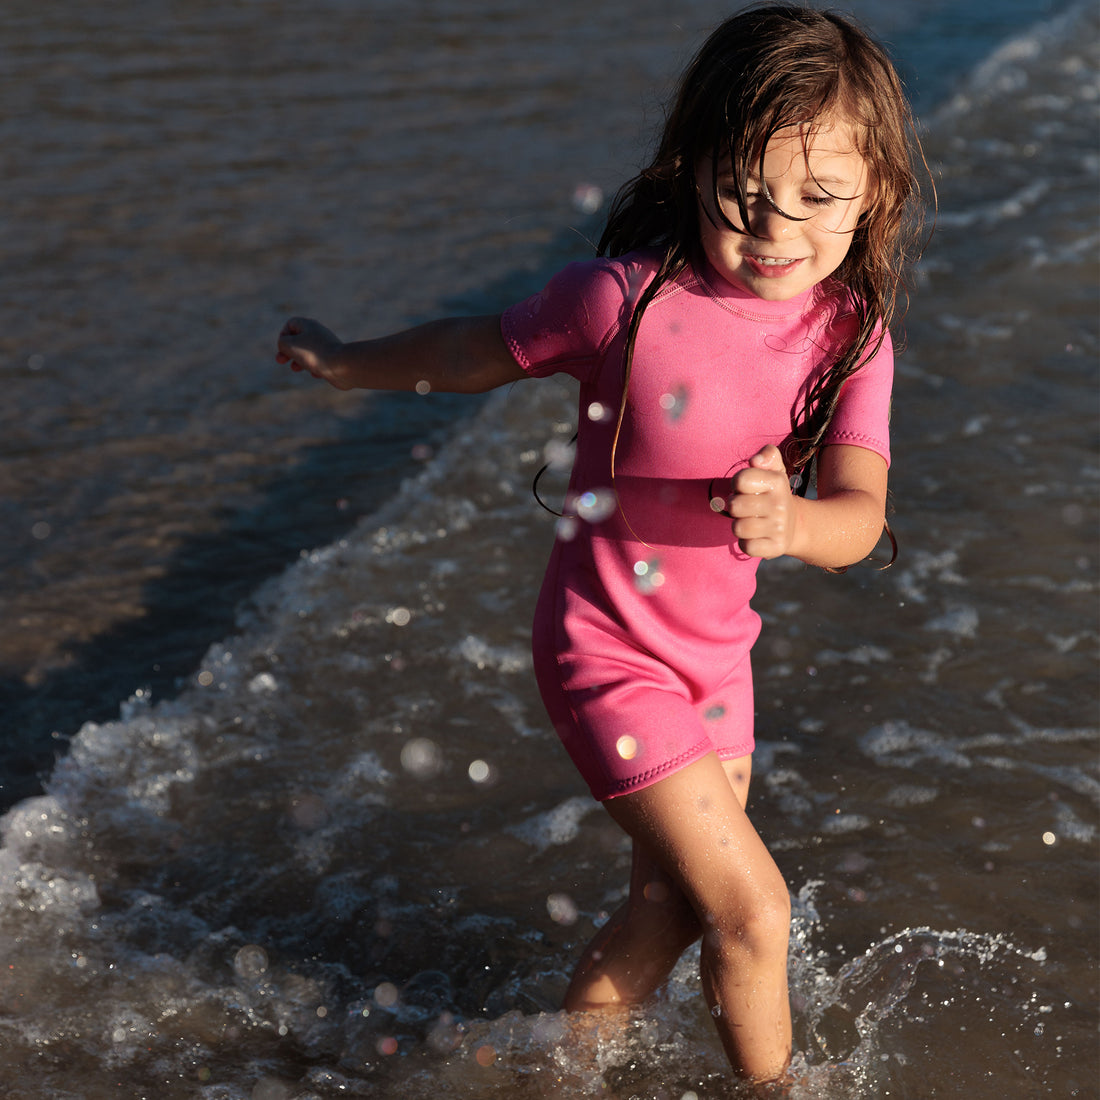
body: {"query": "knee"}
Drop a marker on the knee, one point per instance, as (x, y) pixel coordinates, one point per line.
(759, 928)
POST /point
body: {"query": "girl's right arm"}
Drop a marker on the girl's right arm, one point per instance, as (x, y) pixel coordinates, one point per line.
(455, 355)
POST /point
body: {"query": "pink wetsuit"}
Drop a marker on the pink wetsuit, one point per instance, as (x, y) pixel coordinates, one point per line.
(643, 627)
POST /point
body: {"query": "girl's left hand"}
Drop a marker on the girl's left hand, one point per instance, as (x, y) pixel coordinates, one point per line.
(763, 506)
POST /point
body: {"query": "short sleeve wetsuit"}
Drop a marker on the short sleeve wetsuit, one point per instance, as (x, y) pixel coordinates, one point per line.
(643, 626)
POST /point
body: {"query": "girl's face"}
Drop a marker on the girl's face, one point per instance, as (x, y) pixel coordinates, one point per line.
(813, 174)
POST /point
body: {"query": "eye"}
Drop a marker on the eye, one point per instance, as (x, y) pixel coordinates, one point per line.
(818, 200)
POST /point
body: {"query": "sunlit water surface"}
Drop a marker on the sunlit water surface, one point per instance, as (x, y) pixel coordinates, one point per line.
(338, 852)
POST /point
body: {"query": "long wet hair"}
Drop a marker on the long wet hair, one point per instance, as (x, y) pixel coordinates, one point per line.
(763, 70)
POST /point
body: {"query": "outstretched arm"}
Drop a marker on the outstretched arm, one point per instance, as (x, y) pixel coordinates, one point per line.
(839, 528)
(456, 355)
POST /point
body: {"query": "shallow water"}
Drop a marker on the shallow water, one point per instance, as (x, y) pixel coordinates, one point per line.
(338, 852)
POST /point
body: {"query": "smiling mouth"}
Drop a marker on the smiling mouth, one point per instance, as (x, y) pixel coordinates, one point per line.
(772, 267)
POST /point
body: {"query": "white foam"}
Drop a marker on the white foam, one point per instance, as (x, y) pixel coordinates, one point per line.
(561, 825)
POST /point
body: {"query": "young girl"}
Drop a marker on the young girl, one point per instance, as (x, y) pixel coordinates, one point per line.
(733, 334)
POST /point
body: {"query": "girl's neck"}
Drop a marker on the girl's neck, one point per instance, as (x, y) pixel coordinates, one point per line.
(749, 302)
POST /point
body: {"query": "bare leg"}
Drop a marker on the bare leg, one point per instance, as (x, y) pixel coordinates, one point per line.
(633, 954)
(693, 825)
(635, 951)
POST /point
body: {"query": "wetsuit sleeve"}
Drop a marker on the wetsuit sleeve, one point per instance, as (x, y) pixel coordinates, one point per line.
(863, 415)
(568, 326)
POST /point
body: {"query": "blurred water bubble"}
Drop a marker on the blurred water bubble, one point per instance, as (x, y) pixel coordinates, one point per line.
(423, 387)
(421, 757)
(399, 616)
(599, 413)
(595, 505)
(250, 962)
(421, 452)
(36, 362)
(558, 454)
(562, 909)
(485, 1055)
(587, 198)
(1049, 839)
(263, 683)
(566, 528)
(647, 576)
(674, 402)
(41, 530)
(627, 747)
(205, 678)
(386, 1046)
(385, 994)
(479, 771)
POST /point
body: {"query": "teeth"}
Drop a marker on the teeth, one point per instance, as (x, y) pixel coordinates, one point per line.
(767, 261)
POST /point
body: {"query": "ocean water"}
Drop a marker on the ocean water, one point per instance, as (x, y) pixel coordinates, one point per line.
(284, 816)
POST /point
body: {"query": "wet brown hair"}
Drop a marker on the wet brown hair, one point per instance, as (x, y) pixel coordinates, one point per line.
(765, 69)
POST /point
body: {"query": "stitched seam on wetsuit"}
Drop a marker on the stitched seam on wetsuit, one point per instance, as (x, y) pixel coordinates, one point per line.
(856, 439)
(667, 766)
(808, 307)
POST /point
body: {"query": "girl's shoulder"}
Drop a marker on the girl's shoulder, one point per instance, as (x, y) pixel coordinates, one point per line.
(594, 296)
(570, 324)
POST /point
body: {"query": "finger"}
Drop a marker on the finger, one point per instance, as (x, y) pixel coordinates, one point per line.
(754, 481)
(768, 458)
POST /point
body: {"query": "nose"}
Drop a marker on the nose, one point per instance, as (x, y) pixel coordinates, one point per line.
(769, 225)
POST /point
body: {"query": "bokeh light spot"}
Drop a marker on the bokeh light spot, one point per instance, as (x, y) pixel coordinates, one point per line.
(627, 747)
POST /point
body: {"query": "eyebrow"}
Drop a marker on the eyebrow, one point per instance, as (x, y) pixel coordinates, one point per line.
(831, 181)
